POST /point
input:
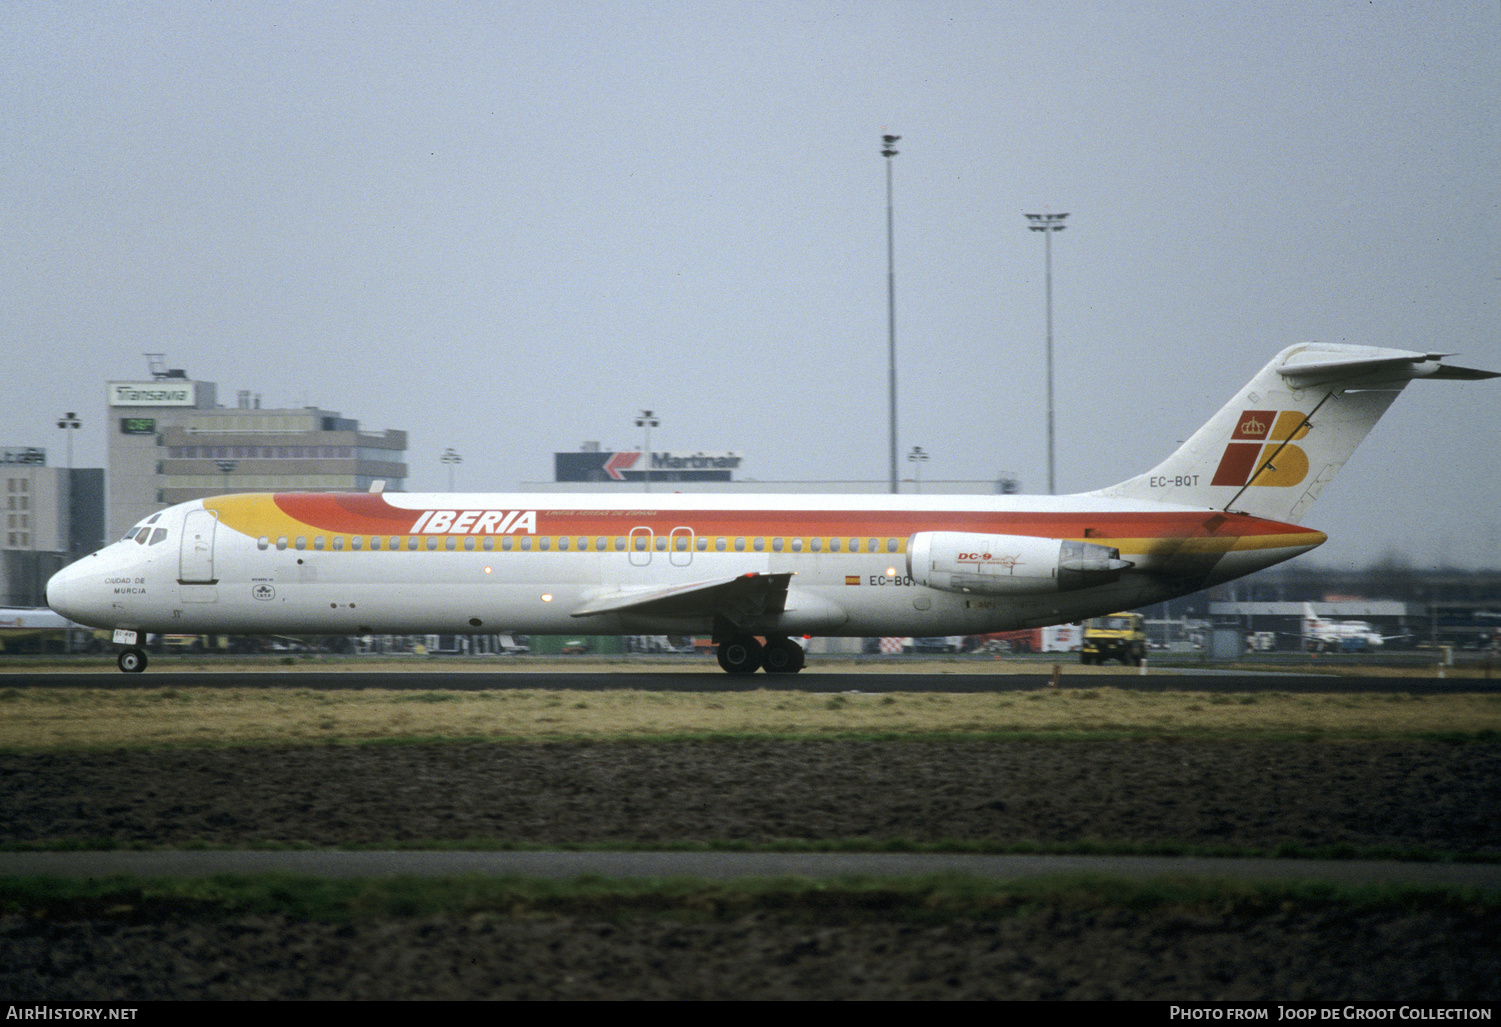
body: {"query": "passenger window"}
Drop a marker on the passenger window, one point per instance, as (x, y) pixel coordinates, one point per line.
(833, 545)
(489, 544)
(817, 545)
(759, 545)
(526, 543)
(600, 544)
(451, 543)
(544, 543)
(263, 542)
(375, 543)
(413, 542)
(507, 544)
(319, 543)
(338, 543)
(740, 545)
(356, 542)
(395, 543)
(701, 544)
(776, 545)
(854, 545)
(563, 544)
(661, 543)
(281, 542)
(719, 545)
(468, 543)
(872, 546)
(891, 545)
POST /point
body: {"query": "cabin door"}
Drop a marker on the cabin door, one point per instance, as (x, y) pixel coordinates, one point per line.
(196, 559)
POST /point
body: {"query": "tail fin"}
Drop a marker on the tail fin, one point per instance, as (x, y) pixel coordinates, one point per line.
(1270, 451)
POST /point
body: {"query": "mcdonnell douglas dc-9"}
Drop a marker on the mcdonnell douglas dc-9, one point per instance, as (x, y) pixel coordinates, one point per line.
(754, 572)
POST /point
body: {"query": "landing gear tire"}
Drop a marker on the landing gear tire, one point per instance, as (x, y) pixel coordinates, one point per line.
(740, 655)
(132, 661)
(782, 656)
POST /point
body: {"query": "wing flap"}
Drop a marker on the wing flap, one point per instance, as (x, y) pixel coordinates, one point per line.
(739, 598)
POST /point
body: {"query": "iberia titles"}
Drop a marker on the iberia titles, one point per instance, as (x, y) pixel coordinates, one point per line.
(476, 522)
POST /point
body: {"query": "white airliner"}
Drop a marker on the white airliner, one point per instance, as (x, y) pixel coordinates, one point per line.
(1323, 633)
(754, 571)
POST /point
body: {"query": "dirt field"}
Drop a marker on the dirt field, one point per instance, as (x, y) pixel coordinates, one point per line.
(1247, 794)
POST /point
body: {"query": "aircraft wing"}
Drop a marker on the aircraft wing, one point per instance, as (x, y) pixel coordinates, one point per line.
(739, 599)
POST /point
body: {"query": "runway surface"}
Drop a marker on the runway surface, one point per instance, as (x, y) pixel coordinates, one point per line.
(724, 865)
(811, 680)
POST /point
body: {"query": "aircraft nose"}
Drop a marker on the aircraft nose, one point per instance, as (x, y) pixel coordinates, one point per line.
(59, 586)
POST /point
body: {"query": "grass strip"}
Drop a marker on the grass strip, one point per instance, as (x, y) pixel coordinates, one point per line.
(39, 719)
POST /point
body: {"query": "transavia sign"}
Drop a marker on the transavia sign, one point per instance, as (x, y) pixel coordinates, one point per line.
(633, 466)
(152, 394)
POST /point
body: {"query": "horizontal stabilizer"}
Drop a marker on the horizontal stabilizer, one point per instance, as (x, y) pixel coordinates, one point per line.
(1311, 366)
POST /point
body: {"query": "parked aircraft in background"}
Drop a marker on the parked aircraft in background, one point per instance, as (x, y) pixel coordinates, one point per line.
(1320, 633)
(755, 572)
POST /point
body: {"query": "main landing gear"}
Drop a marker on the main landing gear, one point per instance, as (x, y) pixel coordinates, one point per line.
(744, 654)
(132, 661)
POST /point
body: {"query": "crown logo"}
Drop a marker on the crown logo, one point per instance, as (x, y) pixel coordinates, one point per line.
(1252, 426)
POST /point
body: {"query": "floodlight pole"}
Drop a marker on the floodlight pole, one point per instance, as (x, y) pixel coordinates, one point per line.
(450, 457)
(917, 457)
(888, 150)
(1047, 224)
(68, 423)
(647, 421)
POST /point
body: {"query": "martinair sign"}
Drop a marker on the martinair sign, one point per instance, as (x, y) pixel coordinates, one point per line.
(152, 394)
(632, 466)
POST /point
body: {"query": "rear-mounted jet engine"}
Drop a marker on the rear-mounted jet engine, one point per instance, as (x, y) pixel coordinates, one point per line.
(958, 561)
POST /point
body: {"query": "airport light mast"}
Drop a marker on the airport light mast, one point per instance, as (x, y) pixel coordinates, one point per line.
(1047, 224)
(648, 421)
(450, 457)
(917, 458)
(888, 150)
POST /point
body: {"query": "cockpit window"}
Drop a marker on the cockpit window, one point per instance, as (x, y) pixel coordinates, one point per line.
(142, 531)
(158, 535)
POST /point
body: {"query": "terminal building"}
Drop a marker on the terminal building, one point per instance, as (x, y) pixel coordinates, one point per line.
(593, 469)
(53, 515)
(169, 441)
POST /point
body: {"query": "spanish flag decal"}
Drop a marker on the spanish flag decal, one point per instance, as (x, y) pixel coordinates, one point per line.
(852, 579)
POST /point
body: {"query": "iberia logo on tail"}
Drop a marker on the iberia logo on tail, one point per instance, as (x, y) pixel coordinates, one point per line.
(1261, 445)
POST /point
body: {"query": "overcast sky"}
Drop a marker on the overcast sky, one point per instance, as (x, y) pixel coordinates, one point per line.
(508, 227)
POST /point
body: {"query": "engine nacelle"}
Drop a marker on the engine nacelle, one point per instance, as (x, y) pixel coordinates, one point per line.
(958, 561)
